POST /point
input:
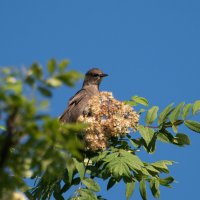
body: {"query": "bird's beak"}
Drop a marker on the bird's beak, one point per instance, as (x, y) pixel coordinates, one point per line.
(103, 75)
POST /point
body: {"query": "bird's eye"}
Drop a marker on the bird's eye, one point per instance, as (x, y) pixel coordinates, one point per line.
(96, 75)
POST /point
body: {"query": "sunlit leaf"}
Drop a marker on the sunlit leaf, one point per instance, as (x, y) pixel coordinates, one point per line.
(140, 100)
(196, 107)
(146, 133)
(193, 125)
(151, 115)
(186, 111)
(54, 82)
(80, 167)
(91, 184)
(176, 112)
(130, 186)
(63, 64)
(142, 188)
(164, 114)
(51, 65)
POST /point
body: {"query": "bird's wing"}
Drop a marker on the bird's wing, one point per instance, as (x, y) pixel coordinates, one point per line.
(73, 101)
(77, 97)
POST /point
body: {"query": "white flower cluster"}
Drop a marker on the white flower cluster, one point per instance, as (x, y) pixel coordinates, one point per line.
(106, 117)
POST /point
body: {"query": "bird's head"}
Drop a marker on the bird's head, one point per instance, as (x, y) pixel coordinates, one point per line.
(94, 77)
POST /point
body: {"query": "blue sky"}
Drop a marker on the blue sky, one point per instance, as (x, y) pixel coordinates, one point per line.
(149, 48)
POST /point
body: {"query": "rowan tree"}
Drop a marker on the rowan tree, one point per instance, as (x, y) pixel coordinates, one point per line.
(36, 146)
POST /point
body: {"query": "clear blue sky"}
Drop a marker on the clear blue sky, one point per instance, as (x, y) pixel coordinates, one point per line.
(149, 48)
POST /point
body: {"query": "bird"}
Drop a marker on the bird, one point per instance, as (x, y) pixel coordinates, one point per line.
(79, 101)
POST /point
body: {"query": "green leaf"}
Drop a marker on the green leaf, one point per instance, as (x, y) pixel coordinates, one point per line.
(54, 82)
(130, 186)
(146, 133)
(70, 171)
(86, 194)
(152, 169)
(165, 136)
(164, 114)
(69, 78)
(36, 70)
(176, 112)
(166, 181)
(140, 100)
(91, 184)
(162, 165)
(2, 127)
(14, 85)
(80, 167)
(154, 185)
(193, 125)
(186, 111)
(151, 115)
(181, 139)
(130, 103)
(196, 107)
(141, 111)
(111, 183)
(51, 65)
(142, 188)
(63, 64)
(44, 91)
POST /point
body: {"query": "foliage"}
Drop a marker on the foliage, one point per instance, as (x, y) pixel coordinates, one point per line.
(36, 146)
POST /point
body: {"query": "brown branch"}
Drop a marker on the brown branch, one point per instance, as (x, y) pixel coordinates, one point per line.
(8, 142)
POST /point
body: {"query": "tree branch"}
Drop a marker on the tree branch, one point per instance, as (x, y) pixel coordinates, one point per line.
(10, 126)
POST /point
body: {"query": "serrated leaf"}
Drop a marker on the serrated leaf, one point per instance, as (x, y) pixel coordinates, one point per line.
(80, 168)
(164, 114)
(196, 107)
(151, 115)
(186, 111)
(176, 112)
(54, 82)
(154, 185)
(130, 186)
(91, 184)
(193, 125)
(142, 188)
(146, 133)
(140, 100)
(51, 65)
